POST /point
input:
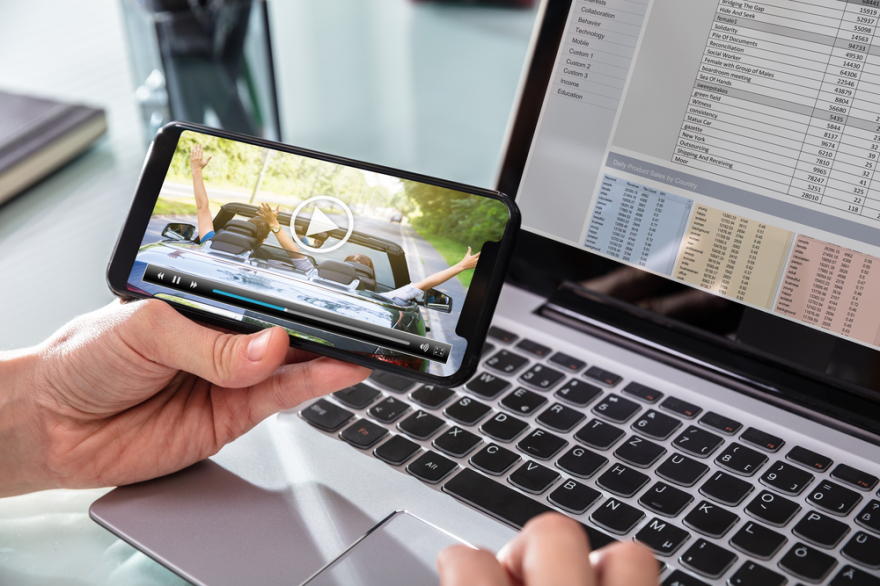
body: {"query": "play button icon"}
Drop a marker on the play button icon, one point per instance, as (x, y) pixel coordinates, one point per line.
(320, 222)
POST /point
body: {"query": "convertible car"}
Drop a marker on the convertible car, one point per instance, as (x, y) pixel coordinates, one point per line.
(234, 256)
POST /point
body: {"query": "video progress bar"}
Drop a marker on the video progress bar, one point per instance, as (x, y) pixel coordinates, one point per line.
(349, 327)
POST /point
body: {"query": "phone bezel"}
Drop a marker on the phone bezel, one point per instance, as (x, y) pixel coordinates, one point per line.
(159, 157)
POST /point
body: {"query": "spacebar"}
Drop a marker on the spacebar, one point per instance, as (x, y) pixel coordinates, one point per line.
(506, 504)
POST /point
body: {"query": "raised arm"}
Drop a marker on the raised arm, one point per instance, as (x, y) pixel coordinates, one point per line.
(197, 162)
(468, 262)
(271, 217)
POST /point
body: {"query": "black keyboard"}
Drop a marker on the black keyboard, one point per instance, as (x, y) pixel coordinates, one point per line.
(718, 500)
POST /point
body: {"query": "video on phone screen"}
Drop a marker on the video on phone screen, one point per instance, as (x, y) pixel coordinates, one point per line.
(353, 259)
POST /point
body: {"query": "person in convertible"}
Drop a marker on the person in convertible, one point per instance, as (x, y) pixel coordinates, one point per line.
(416, 291)
(265, 222)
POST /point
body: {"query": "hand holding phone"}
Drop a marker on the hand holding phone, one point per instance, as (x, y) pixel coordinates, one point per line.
(379, 267)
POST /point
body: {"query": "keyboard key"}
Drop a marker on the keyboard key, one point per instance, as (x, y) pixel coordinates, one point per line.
(698, 442)
(616, 517)
(869, 517)
(506, 504)
(456, 442)
(679, 578)
(531, 347)
(541, 444)
(751, 574)
(486, 349)
(740, 459)
(622, 481)
(581, 462)
(502, 335)
(809, 459)
(431, 467)
(643, 392)
(541, 377)
(666, 500)
(721, 423)
(854, 477)
(397, 450)
(506, 362)
(574, 497)
(850, 576)
(560, 418)
(708, 559)
(503, 427)
(656, 425)
(532, 477)
(662, 537)
(679, 407)
(599, 435)
(495, 460)
(820, 529)
(420, 425)
(834, 498)
(603, 376)
(639, 452)
(786, 478)
(430, 396)
(388, 409)
(616, 409)
(710, 519)
(523, 401)
(566, 361)
(358, 396)
(773, 509)
(466, 410)
(486, 385)
(578, 392)
(863, 549)
(763, 440)
(363, 434)
(807, 563)
(325, 415)
(758, 541)
(392, 382)
(726, 489)
(681, 470)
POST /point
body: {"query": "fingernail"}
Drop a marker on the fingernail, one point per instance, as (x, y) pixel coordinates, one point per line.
(257, 346)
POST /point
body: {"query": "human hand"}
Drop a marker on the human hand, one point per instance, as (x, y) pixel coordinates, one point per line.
(269, 215)
(197, 158)
(469, 261)
(551, 550)
(135, 391)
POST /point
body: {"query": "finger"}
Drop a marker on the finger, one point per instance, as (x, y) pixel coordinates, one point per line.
(625, 564)
(551, 550)
(209, 159)
(160, 334)
(460, 565)
(295, 383)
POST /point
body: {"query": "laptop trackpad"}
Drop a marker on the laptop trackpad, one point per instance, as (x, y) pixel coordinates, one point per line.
(402, 549)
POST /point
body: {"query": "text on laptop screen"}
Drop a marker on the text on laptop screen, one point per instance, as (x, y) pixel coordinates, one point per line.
(725, 144)
(271, 238)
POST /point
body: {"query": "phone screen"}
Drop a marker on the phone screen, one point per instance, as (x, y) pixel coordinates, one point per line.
(361, 261)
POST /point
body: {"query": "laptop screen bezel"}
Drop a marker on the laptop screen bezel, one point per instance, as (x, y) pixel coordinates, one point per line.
(542, 265)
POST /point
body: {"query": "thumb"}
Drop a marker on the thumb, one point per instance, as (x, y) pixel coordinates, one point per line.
(164, 336)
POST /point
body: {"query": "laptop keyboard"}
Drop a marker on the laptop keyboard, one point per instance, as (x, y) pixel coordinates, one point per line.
(537, 430)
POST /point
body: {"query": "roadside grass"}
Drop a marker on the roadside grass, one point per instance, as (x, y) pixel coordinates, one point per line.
(170, 207)
(451, 251)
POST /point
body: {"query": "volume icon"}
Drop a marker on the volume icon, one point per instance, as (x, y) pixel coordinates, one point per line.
(424, 347)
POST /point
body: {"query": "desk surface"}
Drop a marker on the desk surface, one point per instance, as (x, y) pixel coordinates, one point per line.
(426, 88)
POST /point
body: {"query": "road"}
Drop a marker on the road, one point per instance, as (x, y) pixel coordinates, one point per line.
(422, 260)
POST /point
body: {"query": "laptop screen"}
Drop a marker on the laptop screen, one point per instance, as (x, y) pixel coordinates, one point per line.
(723, 146)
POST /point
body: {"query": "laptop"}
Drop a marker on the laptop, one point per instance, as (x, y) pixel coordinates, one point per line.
(685, 352)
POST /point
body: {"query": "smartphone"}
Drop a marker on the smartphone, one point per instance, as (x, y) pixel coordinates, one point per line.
(387, 269)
